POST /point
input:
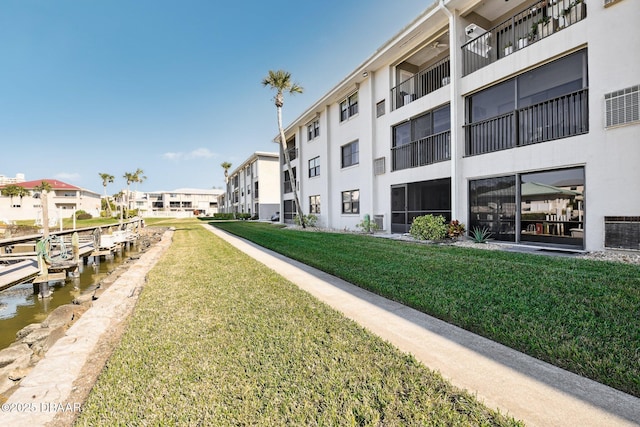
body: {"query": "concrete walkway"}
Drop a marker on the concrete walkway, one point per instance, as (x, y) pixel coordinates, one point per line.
(535, 392)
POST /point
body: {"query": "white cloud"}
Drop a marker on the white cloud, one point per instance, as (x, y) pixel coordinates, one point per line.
(198, 153)
(172, 156)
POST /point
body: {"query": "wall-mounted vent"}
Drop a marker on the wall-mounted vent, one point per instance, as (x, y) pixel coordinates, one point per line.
(622, 232)
(379, 166)
(622, 106)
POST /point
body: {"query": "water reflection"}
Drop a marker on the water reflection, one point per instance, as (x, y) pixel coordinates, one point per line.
(19, 306)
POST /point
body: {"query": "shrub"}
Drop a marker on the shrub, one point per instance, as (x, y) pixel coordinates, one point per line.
(243, 216)
(455, 229)
(309, 220)
(223, 216)
(80, 214)
(429, 227)
(368, 226)
(480, 235)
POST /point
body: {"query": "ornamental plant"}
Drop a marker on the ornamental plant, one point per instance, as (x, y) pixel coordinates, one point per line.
(455, 229)
(429, 227)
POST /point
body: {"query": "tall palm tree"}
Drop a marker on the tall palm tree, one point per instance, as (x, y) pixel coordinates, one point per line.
(226, 166)
(106, 179)
(130, 177)
(44, 188)
(281, 81)
(138, 178)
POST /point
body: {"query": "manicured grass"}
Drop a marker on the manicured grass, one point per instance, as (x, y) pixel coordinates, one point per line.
(581, 315)
(219, 339)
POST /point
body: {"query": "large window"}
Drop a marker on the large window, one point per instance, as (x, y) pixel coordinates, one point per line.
(351, 202)
(552, 207)
(314, 204)
(349, 107)
(314, 167)
(288, 182)
(492, 206)
(350, 154)
(419, 198)
(422, 140)
(551, 210)
(546, 103)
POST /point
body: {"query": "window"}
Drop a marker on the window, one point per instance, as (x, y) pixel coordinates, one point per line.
(351, 202)
(422, 140)
(546, 103)
(313, 130)
(414, 199)
(622, 106)
(314, 204)
(288, 182)
(314, 167)
(380, 108)
(350, 154)
(349, 107)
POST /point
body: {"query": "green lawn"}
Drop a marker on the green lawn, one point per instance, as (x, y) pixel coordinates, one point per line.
(219, 339)
(581, 315)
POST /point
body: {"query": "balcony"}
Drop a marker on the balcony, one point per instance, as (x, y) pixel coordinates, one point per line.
(421, 84)
(538, 21)
(432, 149)
(556, 118)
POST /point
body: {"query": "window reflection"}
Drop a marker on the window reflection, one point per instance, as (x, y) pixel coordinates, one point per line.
(552, 207)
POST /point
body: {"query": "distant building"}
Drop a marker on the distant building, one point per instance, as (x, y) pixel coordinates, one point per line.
(4, 180)
(63, 200)
(254, 187)
(182, 202)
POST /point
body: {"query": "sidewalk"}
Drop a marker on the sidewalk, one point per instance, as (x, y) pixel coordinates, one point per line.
(528, 389)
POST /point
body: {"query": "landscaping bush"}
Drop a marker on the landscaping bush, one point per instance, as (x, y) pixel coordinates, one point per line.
(455, 229)
(80, 214)
(429, 227)
(223, 216)
(309, 220)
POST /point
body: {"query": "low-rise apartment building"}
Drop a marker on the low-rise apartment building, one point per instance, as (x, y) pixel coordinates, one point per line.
(254, 187)
(62, 201)
(516, 116)
(182, 202)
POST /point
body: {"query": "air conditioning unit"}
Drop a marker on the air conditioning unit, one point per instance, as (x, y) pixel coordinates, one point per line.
(379, 221)
(473, 30)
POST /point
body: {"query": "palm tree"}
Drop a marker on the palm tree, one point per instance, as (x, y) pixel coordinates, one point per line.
(44, 189)
(106, 179)
(129, 177)
(281, 81)
(138, 178)
(118, 197)
(13, 190)
(226, 166)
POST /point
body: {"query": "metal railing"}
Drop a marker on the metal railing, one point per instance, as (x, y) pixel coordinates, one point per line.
(528, 26)
(432, 149)
(561, 117)
(421, 84)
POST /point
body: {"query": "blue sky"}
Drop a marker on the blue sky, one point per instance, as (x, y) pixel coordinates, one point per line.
(170, 87)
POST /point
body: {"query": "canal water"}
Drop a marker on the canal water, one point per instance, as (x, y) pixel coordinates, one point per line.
(19, 306)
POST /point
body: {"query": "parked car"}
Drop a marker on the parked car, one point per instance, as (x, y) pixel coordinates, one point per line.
(275, 216)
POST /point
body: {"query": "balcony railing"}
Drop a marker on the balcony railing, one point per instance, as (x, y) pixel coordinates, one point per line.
(421, 84)
(538, 21)
(560, 117)
(425, 151)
